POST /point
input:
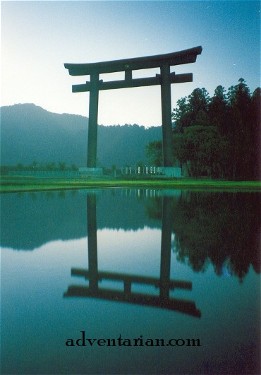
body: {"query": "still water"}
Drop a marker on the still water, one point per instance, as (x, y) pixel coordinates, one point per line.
(125, 281)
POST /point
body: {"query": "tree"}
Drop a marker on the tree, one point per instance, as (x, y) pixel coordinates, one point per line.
(179, 151)
(34, 165)
(181, 115)
(204, 150)
(240, 130)
(255, 115)
(218, 110)
(154, 153)
(74, 167)
(50, 166)
(62, 166)
(20, 166)
(198, 102)
(191, 110)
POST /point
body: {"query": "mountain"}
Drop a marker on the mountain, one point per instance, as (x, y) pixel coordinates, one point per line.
(30, 133)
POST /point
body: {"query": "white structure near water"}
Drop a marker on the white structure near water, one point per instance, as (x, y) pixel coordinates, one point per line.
(152, 170)
(85, 171)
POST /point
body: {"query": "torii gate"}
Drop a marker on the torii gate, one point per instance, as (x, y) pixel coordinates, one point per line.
(165, 79)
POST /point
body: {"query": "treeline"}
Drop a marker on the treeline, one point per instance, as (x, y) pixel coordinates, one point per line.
(217, 137)
(35, 166)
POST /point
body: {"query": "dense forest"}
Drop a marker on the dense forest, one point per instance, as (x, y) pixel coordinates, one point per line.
(218, 136)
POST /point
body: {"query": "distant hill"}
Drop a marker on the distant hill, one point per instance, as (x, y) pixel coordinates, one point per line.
(30, 133)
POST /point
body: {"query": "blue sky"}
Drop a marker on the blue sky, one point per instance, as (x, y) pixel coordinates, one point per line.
(38, 37)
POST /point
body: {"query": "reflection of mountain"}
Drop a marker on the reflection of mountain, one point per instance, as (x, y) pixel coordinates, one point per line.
(220, 228)
(30, 220)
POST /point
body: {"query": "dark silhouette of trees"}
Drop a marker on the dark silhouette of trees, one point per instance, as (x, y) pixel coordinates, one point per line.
(217, 136)
(222, 229)
(191, 110)
(218, 109)
(35, 166)
(255, 116)
(202, 148)
(214, 228)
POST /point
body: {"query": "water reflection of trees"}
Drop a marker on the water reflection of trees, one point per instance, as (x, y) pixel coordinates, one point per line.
(218, 228)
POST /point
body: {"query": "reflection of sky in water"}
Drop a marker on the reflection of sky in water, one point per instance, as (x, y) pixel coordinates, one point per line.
(135, 252)
(37, 319)
(34, 311)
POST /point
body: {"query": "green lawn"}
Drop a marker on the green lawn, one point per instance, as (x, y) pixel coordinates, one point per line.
(20, 184)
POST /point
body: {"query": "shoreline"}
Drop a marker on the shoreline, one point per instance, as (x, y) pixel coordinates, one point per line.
(31, 184)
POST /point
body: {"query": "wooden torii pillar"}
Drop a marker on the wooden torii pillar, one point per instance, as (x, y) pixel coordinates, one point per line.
(164, 79)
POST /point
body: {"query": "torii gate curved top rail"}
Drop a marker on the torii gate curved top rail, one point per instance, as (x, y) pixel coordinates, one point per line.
(165, 79)
(175, 58)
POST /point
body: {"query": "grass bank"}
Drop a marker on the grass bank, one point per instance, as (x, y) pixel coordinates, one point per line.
(24, 184)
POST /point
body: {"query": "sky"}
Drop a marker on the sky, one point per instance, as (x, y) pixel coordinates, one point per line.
(38, 37)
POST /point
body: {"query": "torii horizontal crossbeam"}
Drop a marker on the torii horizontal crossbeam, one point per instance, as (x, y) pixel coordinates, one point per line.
(126, 278)
(183, 306)
(175, 58)
(137, 82)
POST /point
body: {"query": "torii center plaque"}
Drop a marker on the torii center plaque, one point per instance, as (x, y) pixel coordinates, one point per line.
(164, 79)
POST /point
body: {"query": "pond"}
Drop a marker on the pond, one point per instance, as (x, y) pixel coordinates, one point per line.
(130, 281)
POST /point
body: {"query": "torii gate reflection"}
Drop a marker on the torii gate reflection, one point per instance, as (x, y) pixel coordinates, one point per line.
(164, 283)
